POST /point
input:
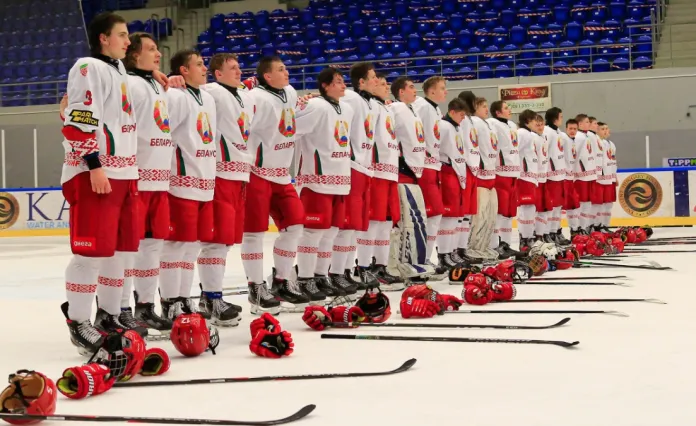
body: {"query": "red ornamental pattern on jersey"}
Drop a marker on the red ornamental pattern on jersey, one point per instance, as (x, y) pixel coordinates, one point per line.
(341, 133)
(125, 103)
(370, 128)
(420, 134)
(162, 116)
(203, 128)
(460, 143)
(287, 126)
(243, 123)
(473, 135)
(436, 131)
(390, 127)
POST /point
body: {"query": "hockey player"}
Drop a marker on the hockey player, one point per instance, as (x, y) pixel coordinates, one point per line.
(527, 186)
(585, 173)
(557, 170)
(270, 191)
(483, 223)
(597, 191)
(610, 198)
(472, 156)
(191, 184)
(571, 204)
(99, 180)
(429, 112)
(606, 179)
(507, 172)
(234, 113)
(452, 180)
(542, 205)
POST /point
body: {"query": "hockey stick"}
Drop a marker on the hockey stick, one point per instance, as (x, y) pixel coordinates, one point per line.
(448, 339)
(421, 325)
(404, 367)
(572, 283)
(616, 265)
(657, 301)
(663, 251)
(483, 311)
(617, 277)
(302, 413)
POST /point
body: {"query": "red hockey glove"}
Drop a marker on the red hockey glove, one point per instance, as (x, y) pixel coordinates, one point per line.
(316, 317)
(272, 344)
(473, 295)
(156, 362)
(503, 291)
(418, 308)
(347, 314)
(85, 380)
(451, 303)
(266, 322)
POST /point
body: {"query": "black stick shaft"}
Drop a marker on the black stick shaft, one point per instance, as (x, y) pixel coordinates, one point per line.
(446, 339)
(567, 283)
(421, 325)
(577, 300)
(615, 277)
(536, 311)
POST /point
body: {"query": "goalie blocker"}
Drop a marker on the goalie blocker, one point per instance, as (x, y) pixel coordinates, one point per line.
(407, 253)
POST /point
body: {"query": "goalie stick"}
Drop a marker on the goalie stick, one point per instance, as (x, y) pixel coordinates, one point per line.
(404, 367)
(449, 339)
(422, 325)
(302, 413)
(657, 301)
(527, 311)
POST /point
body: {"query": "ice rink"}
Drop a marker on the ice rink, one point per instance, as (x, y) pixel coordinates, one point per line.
(634, 371)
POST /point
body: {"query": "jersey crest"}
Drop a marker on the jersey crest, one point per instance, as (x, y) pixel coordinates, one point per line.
(474, 137)
(341, 133)
(125, 103)
(460, 143)
(560, 145)
(420, 135)
(544, 150)
(494, 141)
(203, 128)
(369, 127)
(599, 146)
(243, 123)
(589, 147)
(574, 152)
(390, 127)
(161, 116)
(436, 131)
(610, 154)
(286, 127)
(83, 70)
(513, 138)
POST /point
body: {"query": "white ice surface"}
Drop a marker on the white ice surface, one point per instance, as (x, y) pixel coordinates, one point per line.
(636, 371)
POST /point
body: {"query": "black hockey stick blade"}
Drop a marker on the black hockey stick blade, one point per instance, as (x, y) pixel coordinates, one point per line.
(573, 283)
(580, 300)
(424, 325)
(615, 277)
(448, 339)
(302, 413)
(404, 367)
(536, 311)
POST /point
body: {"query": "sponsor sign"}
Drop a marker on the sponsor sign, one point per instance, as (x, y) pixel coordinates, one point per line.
(536, 97)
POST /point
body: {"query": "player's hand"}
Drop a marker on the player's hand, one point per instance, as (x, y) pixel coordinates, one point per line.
(304, 99)
(100, 183)
(63, 106)
(388, 102)
(177, 82)
(161, 78)
(344, 315)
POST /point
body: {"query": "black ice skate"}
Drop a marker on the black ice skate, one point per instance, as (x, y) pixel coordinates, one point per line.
(457, 256)
(547, 239)
(309, 287)
(349, 289)
(237, 308)
(108, 323)
(126, 318)
(83, 335)
(213, 307)
(291, 298)
(471, 259)
(561, 240)
(262, 300)
(525, 246)
(387, 281)
(506, 252)
(441, 271)
(444, 260)
(366, 279)
(158, 327)
(172, 308)
(327, 286)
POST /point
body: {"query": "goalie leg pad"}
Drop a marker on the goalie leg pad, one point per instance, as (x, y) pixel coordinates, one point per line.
(483, 223)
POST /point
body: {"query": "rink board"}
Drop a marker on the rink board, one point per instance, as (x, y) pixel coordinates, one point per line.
(655, 197)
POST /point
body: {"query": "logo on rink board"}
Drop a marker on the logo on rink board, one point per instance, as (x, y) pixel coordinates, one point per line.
(9, 210)
(640, 195)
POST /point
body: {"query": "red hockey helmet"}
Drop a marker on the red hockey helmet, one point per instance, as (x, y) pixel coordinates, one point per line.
(479, 280)
(29, 392)
(134, 348)
(375, 305)
(190, 334)
(641, 235)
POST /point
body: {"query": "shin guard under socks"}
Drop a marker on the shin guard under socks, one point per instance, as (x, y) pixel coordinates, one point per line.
(212, 261)
(146, 270)
(110, 283)
(80, 285)
(307, 250)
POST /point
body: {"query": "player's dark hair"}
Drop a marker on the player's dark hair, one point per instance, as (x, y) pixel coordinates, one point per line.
(600, 124)
(469, 99)
(457, 105)
(381, 76)
(496, 108)
(398, 85)
(219, 60)
(359, 71)
(592, 119)
(580, 117)
(326, 77)
(552, 115)
(571, 121)
(478, 102)
(265, 66)
(526, 117)
(181, 59)
(136, 46)
(101, 24)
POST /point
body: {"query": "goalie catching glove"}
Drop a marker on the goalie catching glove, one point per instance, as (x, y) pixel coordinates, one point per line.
(268, 340)
(318, 318)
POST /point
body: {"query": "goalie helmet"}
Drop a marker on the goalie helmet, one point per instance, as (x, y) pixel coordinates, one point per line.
(190, 334)
(539, 264)
(28, 393)
(375, 305)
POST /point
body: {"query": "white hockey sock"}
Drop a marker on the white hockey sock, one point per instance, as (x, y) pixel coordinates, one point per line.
(170, 269)
(212, 261)
(526, 220)
(607, 214)
(307, 250)
(573, 217)
(465, 230)
(366, 244)
(597, 214)
(128, 277)
(498, 233)
(252, 256)
(382, 241)
(495, 238)
(341, 250)
(324, 254)
(110, 283)
(446, 235)
(585, 214)
(191, 252)
(506, 230)
(540, 223)
(146, 269)
(285, 250)
(431, 227)
(555, 220)
(80, 285)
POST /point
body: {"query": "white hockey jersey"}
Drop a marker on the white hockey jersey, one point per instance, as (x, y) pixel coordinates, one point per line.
(614, 165)
(472, 155)
(272, 133)
(571, 154)
(606, 176)
(385, 152)
(598, 148)
(508, 148)
(557, 168)
(452, 147)
(323, 137)
(411, 136)
(529, 162)
(365, 115)
(430, 115)
(542, 152)
(155, 147)
(99, 125)
(585, 166)
(234, 111)
(488, 148)
(192, 119)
